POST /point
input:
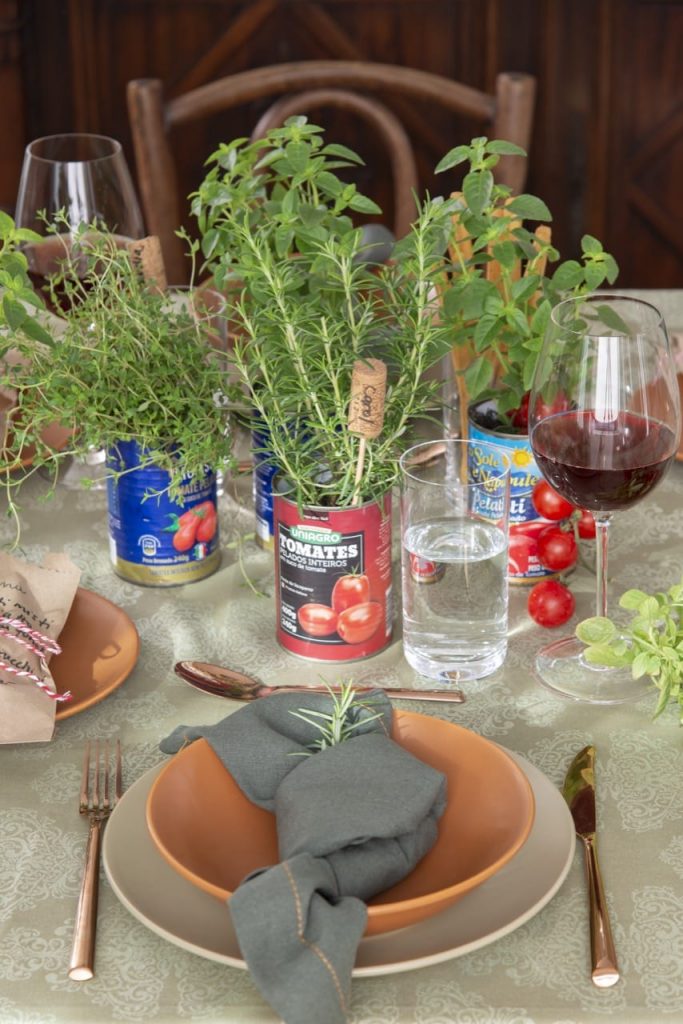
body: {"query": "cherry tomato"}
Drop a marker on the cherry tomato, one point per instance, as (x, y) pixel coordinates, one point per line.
(586, 524)
(543, 409)
(520, 417)
(557, 548)
(350, 590)
(184, 537)
(548, 503)
(360, 622)
(550, 603)
(207, 527)
(317, 619)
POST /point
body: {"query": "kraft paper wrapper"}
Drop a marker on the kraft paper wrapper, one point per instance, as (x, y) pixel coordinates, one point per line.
(368, 386)
(42, 596)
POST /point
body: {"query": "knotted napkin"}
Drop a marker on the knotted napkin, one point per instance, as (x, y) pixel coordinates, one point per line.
(352, 821)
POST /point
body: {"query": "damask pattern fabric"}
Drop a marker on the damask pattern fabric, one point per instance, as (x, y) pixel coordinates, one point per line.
(539, 974)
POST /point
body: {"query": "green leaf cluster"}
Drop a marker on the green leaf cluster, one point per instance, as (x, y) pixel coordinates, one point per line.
(651, 643)
(504, 320)
(305, 305)
(128, 365)
(21, 306)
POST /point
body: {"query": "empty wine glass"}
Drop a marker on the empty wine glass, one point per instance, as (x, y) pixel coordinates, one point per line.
(604, 424)
(87, 178)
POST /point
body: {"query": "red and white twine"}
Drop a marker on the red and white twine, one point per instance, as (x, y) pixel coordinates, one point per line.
(35, 642)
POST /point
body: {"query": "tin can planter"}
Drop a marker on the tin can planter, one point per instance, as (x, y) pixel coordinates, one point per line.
(262, 488)
(525, 522)
(153, 540)
(333, 576)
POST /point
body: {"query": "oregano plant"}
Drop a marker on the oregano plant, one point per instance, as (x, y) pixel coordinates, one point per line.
(500, 293)
(651, 643)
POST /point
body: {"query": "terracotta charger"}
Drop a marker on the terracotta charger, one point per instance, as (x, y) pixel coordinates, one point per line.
(209, 832)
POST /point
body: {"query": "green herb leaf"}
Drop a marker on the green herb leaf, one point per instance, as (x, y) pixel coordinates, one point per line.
(601, 654)
(633, 599)
(504, 148)
(478, 376)
(598, 630)
(476, 187)
(455, 156)
(529, 207)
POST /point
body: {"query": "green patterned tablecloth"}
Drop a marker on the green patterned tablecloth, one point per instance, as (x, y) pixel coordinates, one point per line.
(537, 974)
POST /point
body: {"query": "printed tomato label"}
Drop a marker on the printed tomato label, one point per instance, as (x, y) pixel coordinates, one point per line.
(333, 580)
(525, 523)
(155, 540)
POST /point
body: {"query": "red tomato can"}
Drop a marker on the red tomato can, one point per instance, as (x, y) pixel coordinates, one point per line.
(333, 579)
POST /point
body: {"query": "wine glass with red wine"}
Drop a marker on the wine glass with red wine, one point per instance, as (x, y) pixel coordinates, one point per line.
(87, 178)
(604, 425)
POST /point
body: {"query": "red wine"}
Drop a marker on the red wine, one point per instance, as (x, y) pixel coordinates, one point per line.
(603, 466)
(47, 257)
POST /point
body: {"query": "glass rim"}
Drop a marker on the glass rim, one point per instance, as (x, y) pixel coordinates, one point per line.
(592, 298)
(499, 473)
(116, 147)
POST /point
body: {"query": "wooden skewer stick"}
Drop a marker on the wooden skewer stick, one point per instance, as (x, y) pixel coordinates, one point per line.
(366, 410)
(147, 252)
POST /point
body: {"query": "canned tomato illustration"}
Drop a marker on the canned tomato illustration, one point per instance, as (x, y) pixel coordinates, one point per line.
(525, 523)
(152, 539)
(333, 569)
(423, 570)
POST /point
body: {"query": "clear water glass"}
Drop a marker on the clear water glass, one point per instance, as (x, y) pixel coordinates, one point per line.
(454, 550)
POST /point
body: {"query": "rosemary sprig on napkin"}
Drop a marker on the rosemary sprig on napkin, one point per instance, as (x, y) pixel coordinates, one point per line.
(348, 713)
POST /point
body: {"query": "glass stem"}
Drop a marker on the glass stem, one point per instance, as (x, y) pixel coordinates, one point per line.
(602, 523)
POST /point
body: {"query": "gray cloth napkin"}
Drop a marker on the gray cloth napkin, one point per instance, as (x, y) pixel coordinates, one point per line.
(351, 821)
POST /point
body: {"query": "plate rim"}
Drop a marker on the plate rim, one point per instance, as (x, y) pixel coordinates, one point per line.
(379, 910)
(537, 780)
(67, 710)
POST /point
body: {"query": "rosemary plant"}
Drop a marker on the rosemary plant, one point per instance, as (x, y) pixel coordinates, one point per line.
(127, 365)
(306, 306)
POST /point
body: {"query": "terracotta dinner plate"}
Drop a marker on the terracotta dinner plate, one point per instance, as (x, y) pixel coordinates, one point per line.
(100, 646)
(210, 833)
(184, 915)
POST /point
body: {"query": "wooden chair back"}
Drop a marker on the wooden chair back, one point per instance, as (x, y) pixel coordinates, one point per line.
(505, 114)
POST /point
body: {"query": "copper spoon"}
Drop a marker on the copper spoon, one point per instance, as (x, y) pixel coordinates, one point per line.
(226, 682)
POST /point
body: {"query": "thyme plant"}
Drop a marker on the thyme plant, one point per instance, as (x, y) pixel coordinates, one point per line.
(127, 365)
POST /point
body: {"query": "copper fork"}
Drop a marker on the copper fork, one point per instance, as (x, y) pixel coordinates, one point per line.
(97, 800)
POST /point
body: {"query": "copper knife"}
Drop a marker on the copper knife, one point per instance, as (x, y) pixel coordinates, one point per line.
(227, 682)
(579, 792)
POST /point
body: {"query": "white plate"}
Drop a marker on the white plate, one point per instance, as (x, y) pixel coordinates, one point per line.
(178, 911)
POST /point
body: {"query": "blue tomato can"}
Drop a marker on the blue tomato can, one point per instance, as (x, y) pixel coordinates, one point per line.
(154, 540)
(525, 523)
(262, 488)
